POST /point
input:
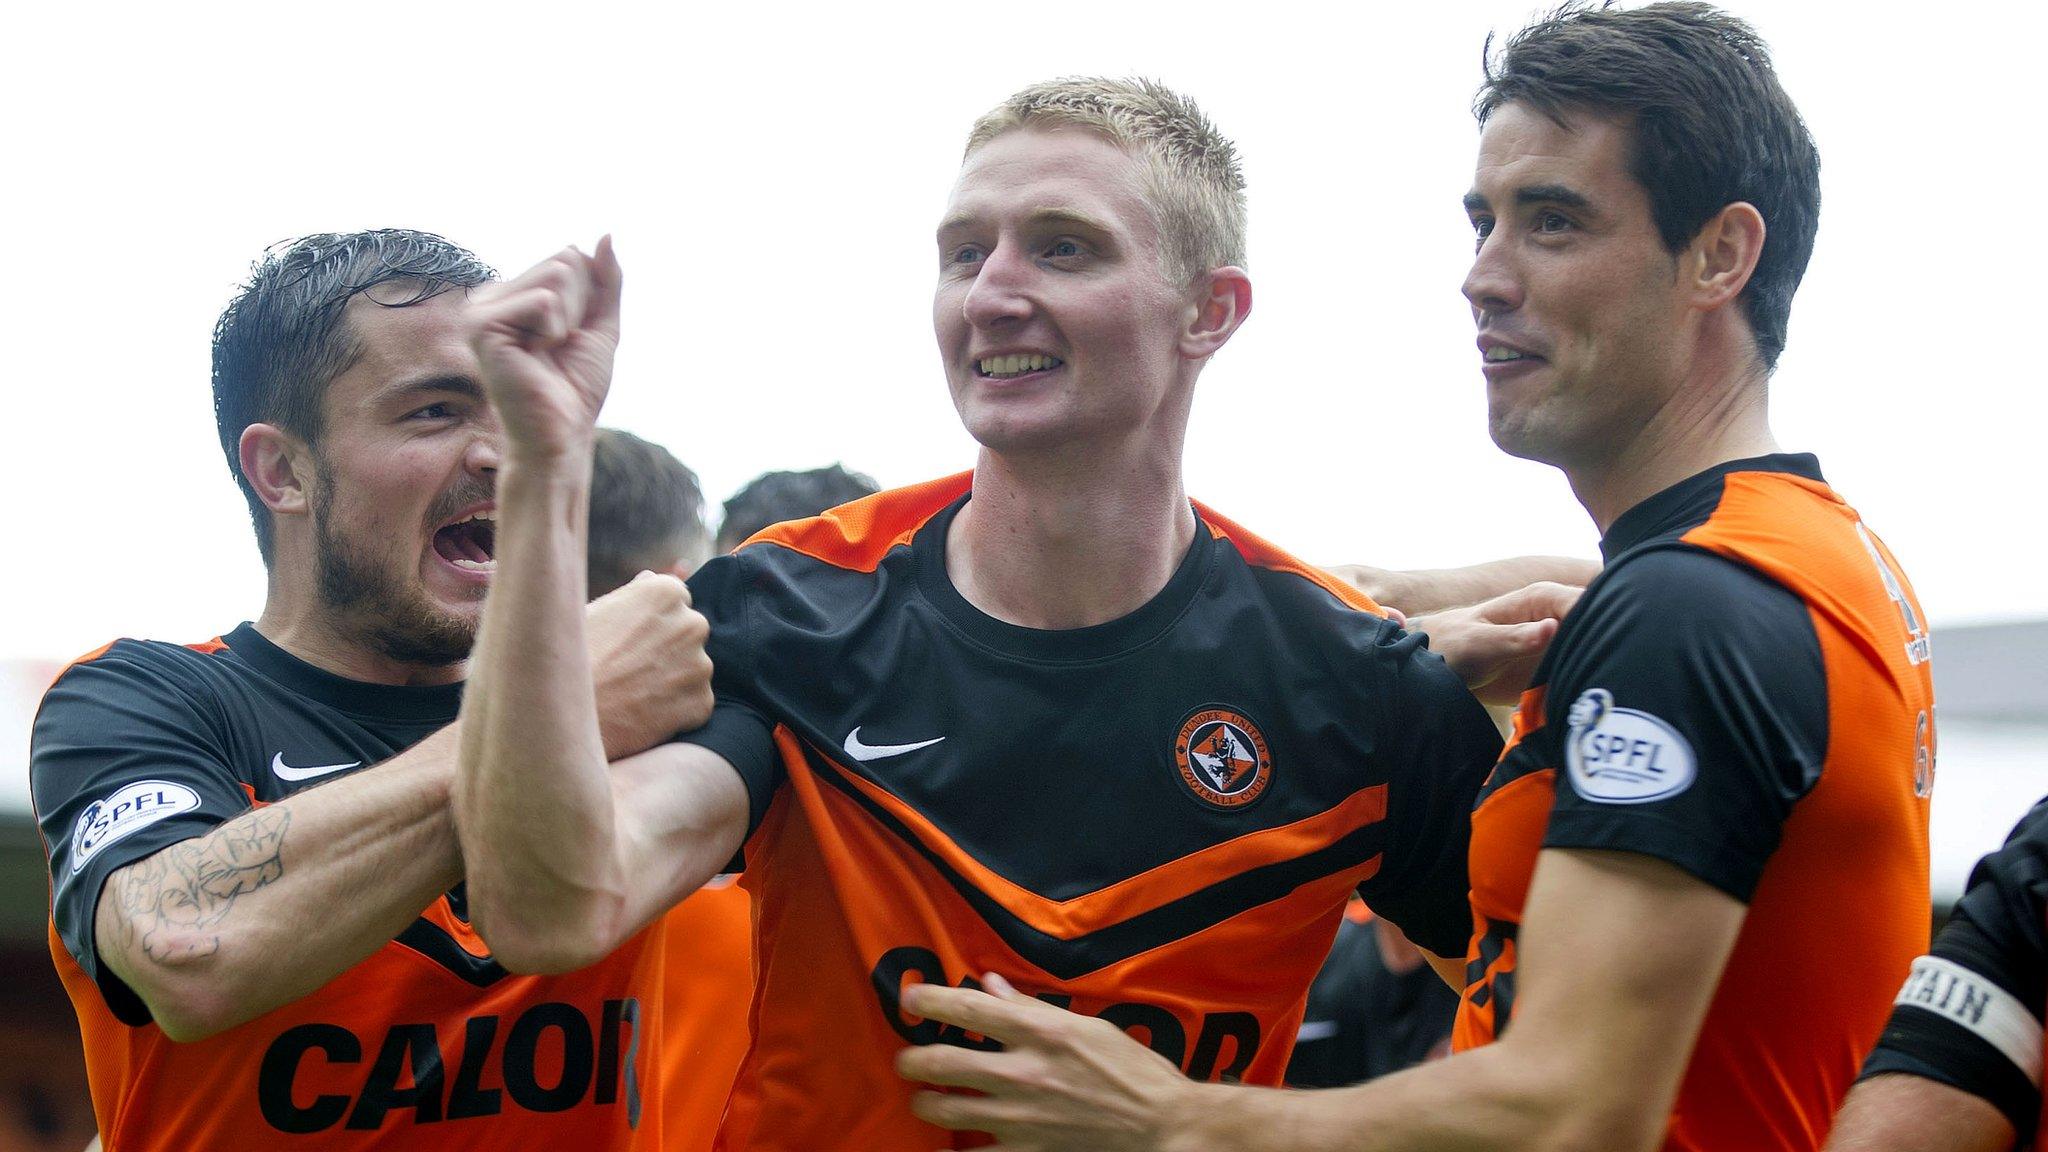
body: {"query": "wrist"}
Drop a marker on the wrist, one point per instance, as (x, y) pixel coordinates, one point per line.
(569, 454)
(1195, 1119)
(540, 474)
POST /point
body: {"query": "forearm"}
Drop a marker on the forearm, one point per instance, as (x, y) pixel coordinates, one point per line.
(1480, 1101)
(1424, 590)
(1904, 1113)
(271, 905)
(532, 798)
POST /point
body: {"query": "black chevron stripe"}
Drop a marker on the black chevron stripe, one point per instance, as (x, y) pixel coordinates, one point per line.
(1193, 913)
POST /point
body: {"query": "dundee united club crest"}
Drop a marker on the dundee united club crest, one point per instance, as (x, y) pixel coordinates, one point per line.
(1222, 758)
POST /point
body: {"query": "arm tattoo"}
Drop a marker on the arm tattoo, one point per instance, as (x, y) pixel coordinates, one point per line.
(171, 898)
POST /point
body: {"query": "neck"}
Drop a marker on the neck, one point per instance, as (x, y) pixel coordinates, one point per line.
(1716, 415)
(1068, 544)
(294, 619)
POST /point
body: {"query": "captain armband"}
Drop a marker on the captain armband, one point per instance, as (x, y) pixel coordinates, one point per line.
(1972, 1002)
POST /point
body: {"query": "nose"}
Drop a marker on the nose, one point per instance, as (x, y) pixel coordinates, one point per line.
(486, 445)
(999, 294)
(1492, 284)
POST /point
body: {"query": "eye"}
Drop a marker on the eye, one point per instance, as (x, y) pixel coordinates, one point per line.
(441, 411)
(1553, 222)
(966, 254)
(1064, 249)
(1482, 227)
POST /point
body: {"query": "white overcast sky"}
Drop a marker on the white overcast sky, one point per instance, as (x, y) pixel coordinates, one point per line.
(773, 174)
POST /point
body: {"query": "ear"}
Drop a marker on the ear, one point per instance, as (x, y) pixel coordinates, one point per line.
(1724, 255)
(1225, 301)
(279, 467)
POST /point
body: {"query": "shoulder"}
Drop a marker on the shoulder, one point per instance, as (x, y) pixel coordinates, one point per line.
(1286, 576)
(1333, 632)
(127, 668)
(859, 535)
(1676, 598)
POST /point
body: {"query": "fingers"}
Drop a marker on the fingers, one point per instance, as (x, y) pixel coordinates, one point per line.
(956, 1067)
(964, 1113)
(977, 1012)
(563, 294)
(1540, 601)
(607, 282)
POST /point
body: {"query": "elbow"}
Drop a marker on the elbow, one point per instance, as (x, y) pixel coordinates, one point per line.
(189, 1005)
(544, 945)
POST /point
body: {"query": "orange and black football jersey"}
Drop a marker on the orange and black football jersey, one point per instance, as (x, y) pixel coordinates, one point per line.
(1743, 692)
(1971, 1013)
(1155, 820)
(428, 1043)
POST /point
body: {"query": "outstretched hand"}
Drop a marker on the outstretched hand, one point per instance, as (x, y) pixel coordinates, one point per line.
(545, 342)
(1495, 645)
(1062, 1080)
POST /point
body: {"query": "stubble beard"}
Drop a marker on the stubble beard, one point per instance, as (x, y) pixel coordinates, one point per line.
(374, 608)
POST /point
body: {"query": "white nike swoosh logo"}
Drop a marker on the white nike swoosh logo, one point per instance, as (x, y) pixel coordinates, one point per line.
(287, 772)
(860, 751)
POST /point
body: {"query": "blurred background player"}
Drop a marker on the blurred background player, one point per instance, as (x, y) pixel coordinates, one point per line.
(646, 512)
(257, 908)
(774, 497)
(1700, 870)
(1958, 1068)
(1375, 1008)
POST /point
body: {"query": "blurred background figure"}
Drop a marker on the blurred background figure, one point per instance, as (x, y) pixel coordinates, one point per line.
(1376, 1007)
(646, 512)
(773, 497)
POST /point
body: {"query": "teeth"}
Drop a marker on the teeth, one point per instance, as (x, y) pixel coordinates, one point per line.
(479, 518)
(1016, 365)
(1498, 353)
(475, 565)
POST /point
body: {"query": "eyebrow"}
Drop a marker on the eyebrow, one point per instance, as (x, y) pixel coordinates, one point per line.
(1068, 216)
(1532, 194)
(467, 387)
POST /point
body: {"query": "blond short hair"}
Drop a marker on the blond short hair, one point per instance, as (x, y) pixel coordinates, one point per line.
(1192, 182)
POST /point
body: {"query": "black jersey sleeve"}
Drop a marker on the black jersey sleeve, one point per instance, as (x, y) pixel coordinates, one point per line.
(1439, 745)
(1970, 1015)
(1694, 711)
(739, 728)
(123, 762)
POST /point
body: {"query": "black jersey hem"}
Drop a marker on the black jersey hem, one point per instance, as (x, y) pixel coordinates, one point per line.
(1646, 835)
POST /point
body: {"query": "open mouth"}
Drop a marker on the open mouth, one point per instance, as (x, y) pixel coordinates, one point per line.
(1014, 367)
(469, 544)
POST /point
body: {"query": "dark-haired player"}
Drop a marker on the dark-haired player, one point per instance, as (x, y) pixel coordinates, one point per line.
(257, 903)
(1700, 870)
(1050, 716)
(1959, 1065)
